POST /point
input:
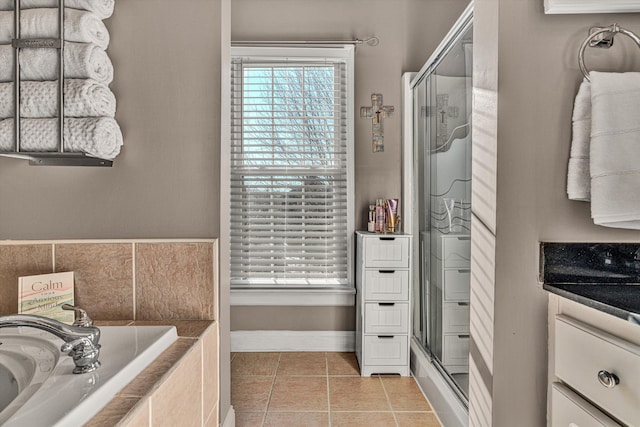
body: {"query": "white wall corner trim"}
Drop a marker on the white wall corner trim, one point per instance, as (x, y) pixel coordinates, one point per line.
(294, 297)
(253, 341)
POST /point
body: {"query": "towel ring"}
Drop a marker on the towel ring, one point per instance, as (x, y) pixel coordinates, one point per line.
(614, 28)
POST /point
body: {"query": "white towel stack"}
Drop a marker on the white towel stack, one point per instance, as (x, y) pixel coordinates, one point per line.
(605, 151)
(89, 105)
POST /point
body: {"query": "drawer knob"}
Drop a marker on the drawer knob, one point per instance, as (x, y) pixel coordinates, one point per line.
(608, 379)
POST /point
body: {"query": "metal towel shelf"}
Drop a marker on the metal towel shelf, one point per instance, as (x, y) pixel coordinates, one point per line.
(602, 37)
(59, 157)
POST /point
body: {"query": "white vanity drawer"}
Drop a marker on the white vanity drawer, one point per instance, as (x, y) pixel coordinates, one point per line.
(386, 318)
(386, 252)
(456, 251)
(386, 285)
(455, 349)
(581, 352)
(570, 410)
(456, 284)
(455, 317)
(385, 350)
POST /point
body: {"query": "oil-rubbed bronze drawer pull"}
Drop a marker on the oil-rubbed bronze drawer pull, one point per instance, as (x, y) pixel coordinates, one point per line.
(385, 336)
(390, 304)
(387, 238)
(386, 271)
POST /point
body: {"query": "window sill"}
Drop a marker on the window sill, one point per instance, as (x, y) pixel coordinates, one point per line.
(293, 297)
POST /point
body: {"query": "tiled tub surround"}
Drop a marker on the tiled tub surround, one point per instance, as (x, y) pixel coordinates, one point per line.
(179, 388)
(604, 276)
(170, 282)
(121, 279)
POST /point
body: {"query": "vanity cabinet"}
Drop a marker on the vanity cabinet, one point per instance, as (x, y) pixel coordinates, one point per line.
(594, 367)
(383, 269)
(454, 257)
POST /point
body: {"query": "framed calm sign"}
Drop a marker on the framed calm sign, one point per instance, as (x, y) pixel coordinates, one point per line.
(591, 6)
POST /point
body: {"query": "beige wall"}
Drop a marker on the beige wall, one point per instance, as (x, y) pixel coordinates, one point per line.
(409, 31)
(165, 183)
(537, 75)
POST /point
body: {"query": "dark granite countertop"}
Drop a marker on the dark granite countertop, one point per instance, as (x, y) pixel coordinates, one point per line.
(604, 276)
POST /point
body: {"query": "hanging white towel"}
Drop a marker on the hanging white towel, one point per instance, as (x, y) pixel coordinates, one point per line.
(578, 178)
(98, 137)
(615, 149)
(81, 61)
(79, 26)
(82, 98)
(102, 8)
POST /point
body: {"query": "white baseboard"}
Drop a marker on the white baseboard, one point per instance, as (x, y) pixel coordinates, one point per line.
(252, 341)
(230, 419)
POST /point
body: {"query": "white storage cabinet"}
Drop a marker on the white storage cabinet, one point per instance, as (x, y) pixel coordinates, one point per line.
(383, 318)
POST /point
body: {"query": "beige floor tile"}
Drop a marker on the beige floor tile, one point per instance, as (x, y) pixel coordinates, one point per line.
(250, 393)
(417, 419)
(357, 394)
(404, 394)
(342, 364)
(362, 419)
(299, 394)
(249, 419)
(292, 419)
(302, 364)
(254, 364)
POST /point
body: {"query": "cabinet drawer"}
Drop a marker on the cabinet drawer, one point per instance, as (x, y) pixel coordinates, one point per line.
(456, 284)
(570, 410)
(386, 252)
(581, 352)
(455, 317)
(456, 251)
(455, 350)
(385, 350)
(386, 285)
(386, 318)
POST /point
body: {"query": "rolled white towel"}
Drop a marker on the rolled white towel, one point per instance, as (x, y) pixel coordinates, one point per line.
(102, 8)
(79, 26)
(98, 137)
(82, 98)
(81, 61)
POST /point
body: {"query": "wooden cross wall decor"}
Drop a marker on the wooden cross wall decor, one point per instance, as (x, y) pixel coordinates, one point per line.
(376, 113)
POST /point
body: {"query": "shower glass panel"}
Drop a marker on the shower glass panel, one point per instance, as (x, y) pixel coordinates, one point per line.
(442, 150)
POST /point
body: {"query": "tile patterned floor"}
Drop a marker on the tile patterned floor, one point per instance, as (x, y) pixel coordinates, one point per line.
(321, 389)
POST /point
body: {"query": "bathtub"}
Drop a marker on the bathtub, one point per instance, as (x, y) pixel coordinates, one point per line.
(38, 388)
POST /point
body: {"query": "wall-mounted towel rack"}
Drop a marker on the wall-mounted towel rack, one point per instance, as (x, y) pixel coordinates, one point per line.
(50, 158)
(602, 37)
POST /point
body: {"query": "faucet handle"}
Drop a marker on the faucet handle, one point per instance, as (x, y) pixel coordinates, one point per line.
(81, 317)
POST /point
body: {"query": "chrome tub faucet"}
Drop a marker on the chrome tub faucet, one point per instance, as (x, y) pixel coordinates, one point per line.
(81, 339)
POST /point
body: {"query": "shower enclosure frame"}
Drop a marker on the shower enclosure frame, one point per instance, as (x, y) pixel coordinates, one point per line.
(448, 401)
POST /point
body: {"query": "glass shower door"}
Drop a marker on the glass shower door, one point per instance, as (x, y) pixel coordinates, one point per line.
(442, 135)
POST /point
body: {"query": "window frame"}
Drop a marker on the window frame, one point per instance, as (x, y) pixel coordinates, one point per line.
(339, 295)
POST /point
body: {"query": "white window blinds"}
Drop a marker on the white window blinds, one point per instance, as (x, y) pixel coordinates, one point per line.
(290, 172)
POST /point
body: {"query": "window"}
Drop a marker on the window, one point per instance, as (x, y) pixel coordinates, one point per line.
(291, 167)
